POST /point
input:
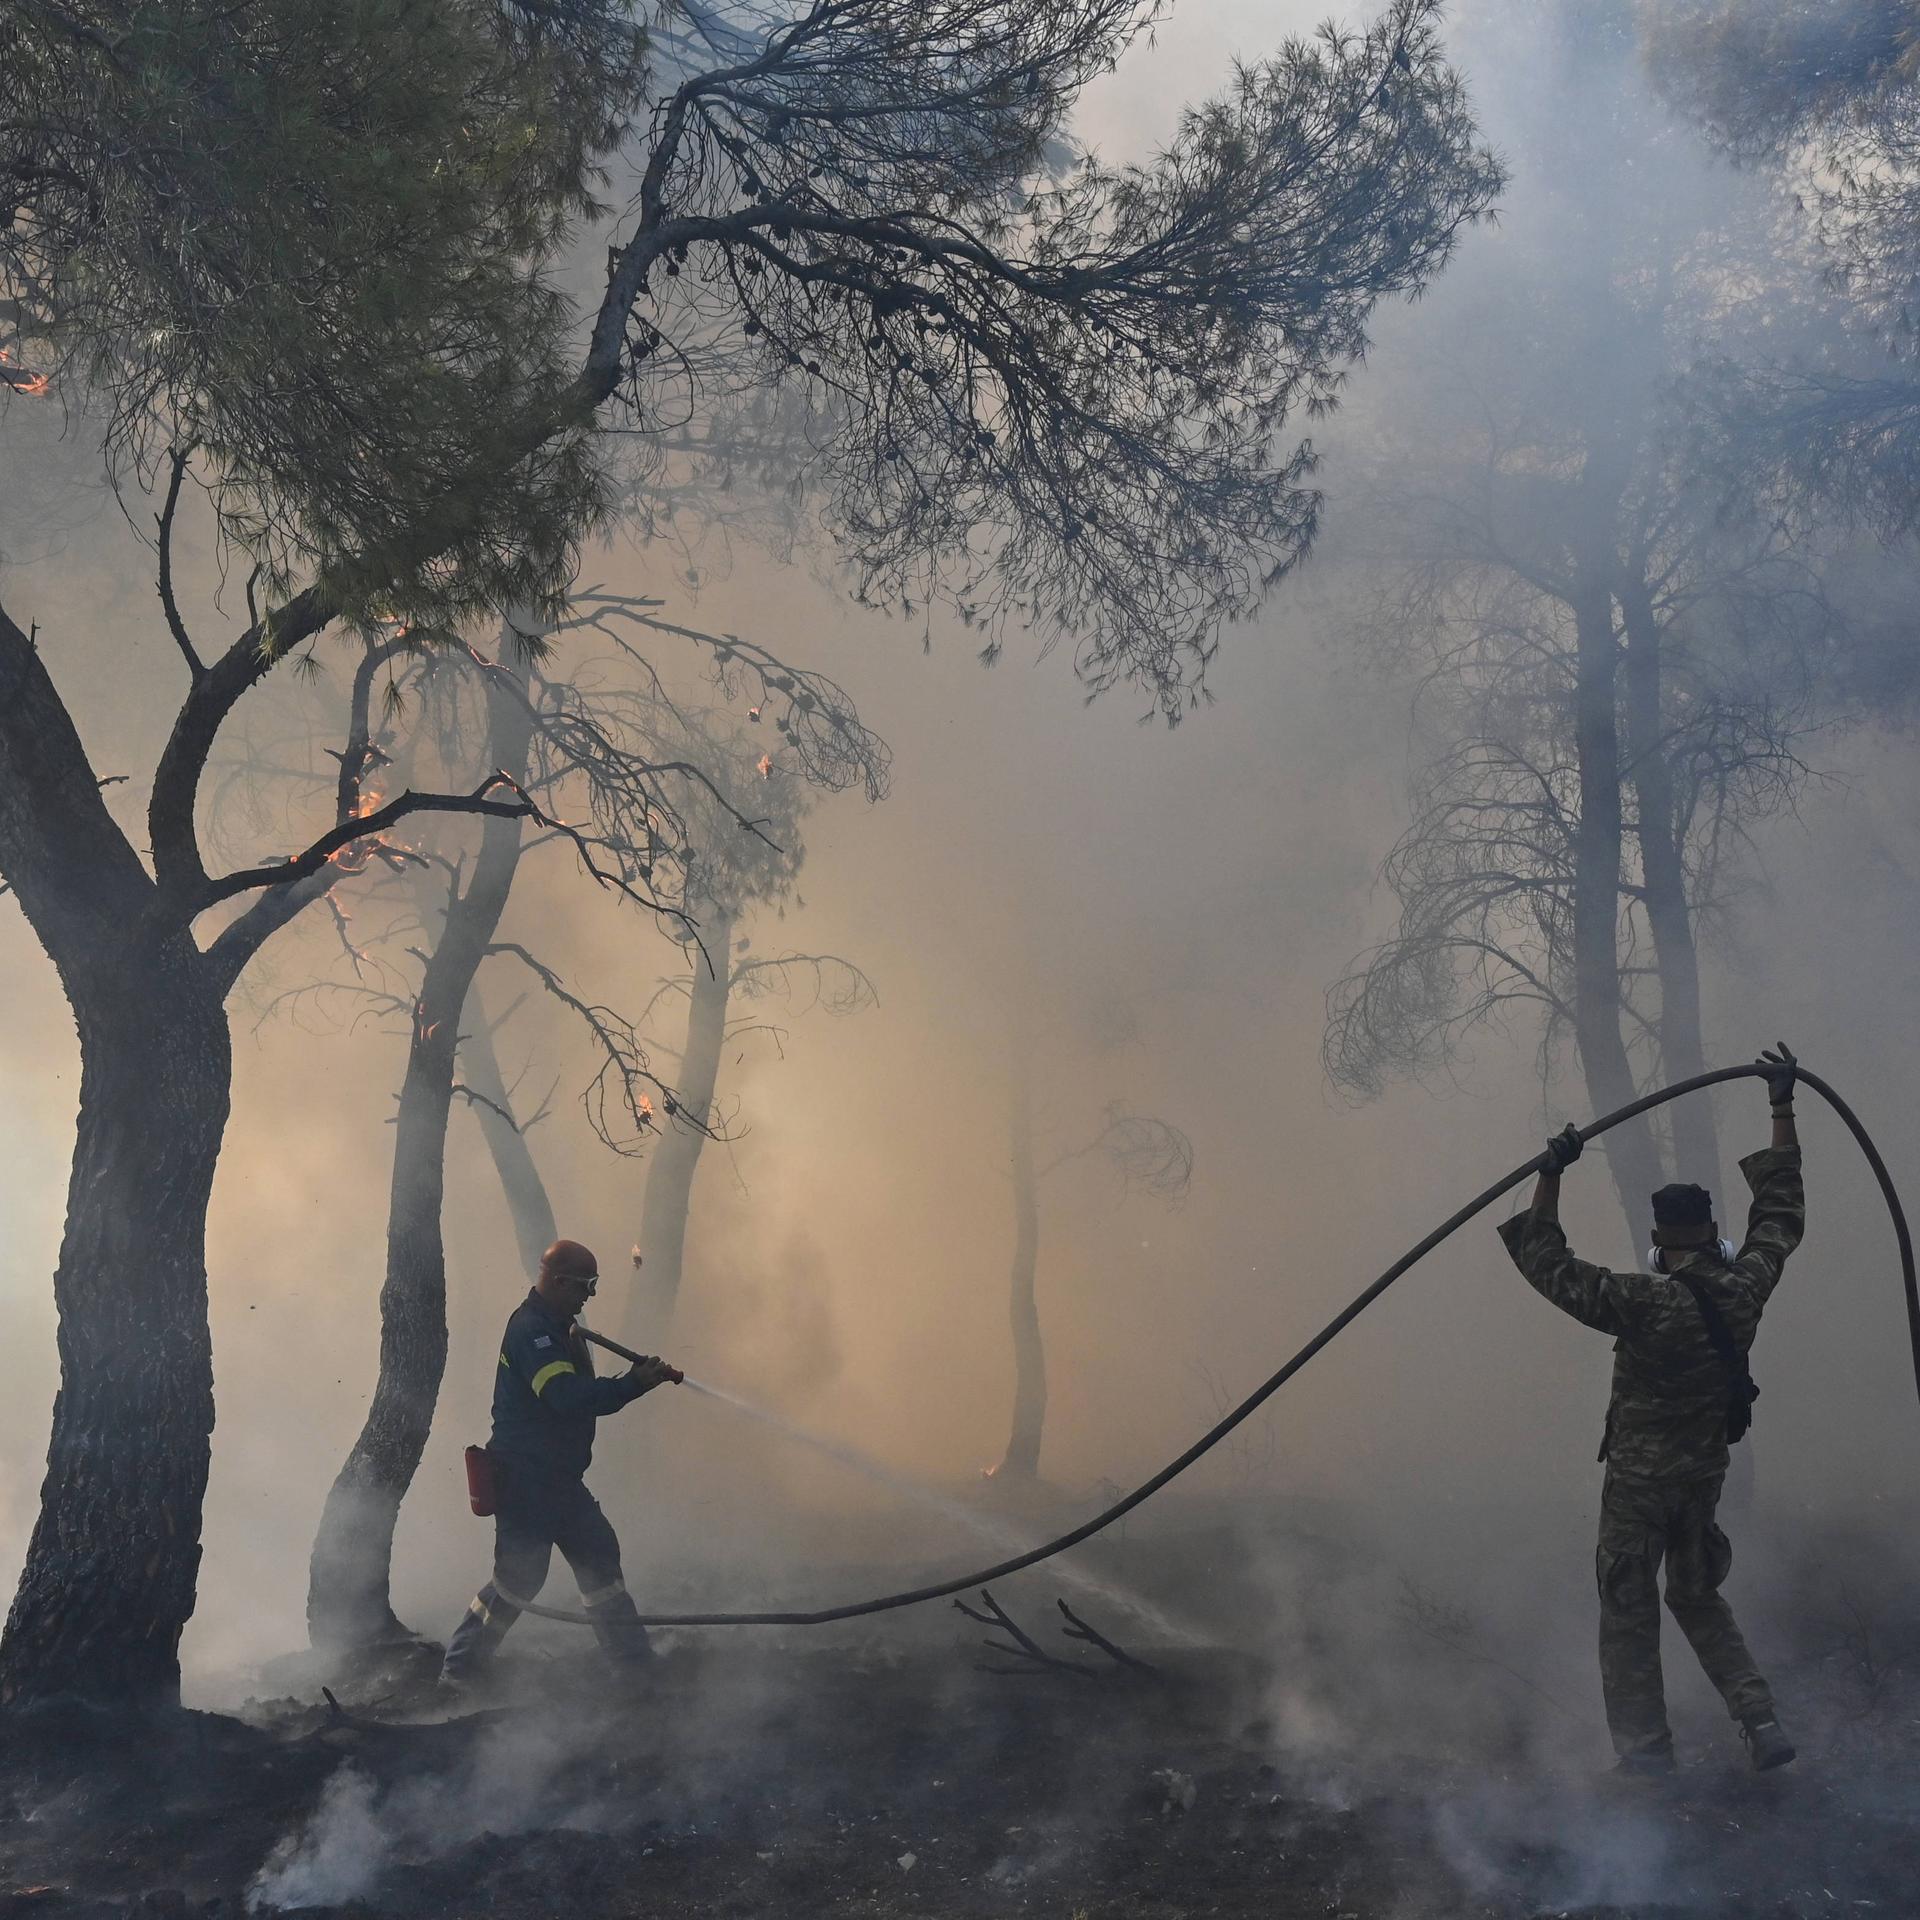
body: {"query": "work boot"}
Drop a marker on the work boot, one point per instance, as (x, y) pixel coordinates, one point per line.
(1767, 1746)
(1653, 1764)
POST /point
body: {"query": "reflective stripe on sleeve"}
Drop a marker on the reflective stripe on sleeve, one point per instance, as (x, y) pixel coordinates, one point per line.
(503, 1360)
(547, 1372)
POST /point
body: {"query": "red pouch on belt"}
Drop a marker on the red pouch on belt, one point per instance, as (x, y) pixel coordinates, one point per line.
(482, 1484)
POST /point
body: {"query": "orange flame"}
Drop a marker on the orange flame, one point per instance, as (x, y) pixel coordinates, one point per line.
(13, 375)
(765, 766)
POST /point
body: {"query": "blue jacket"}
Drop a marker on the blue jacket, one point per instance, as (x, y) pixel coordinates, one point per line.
(545, 1398)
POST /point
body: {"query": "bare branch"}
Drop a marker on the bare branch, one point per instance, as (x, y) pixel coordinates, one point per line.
(177, 459)
(624, 1066)
(1024, 1647)
(839, 987)
(472, 1098)
(1150, 1155)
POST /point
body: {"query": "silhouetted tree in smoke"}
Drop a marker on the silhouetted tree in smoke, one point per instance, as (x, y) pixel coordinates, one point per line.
(730, 879)
(1148, 1155)
(718, 982)
(648, 773)
(243, 233)
(1821, 101)
(303, 247)
(547, 740)
(1614, 667)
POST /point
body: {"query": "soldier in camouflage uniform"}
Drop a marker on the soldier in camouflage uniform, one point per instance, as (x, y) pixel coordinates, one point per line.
(1667, 1422)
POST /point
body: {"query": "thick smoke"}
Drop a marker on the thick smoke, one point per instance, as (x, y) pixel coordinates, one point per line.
(1406, 1533)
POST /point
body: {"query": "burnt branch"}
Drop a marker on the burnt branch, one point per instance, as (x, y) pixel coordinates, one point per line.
(624, 1074)
(364, 826)
(1077, 1629)
(369, 1003)
(473, 1099)
(1024, 1647)
(177, 460)
(368, 825)
(359, 759)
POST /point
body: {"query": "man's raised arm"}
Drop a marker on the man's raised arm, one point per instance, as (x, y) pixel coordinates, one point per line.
(1539, 1248)
(1778, 1217)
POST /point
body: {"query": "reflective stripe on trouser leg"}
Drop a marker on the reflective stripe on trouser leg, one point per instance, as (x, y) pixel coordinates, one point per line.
(482, 1627)
(585, 1535)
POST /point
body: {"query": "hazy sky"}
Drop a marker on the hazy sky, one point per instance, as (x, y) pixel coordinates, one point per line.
(850, 1251)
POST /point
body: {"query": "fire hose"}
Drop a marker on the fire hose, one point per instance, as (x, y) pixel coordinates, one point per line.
(887, 1603)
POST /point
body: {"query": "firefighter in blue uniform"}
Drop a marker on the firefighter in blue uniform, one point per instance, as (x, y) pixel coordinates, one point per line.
(545, 1403)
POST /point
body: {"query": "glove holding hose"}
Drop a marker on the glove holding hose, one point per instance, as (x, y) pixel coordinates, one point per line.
(1783, 1073)
(1563, 1149)
(1782, 1070)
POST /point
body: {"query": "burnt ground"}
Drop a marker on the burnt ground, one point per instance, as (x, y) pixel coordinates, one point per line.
(890, 1774)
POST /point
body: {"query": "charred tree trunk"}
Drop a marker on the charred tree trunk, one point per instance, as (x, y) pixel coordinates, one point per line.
(528, 1201)
(1696, 1141)
(1022, 1461)
(676, 1154)
(349, 1574)
(109, 1579)
(1597, 1005)
(108, 1584)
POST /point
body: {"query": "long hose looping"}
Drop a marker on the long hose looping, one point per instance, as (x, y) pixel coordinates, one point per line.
(886, 1603)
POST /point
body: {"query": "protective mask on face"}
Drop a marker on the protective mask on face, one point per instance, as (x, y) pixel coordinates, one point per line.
(1725, 1248)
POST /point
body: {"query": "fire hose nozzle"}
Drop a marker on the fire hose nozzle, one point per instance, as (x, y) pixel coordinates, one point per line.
(627, 1353)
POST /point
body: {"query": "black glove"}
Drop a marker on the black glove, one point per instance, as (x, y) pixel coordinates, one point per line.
(1782, 1070)
(1563, 1150)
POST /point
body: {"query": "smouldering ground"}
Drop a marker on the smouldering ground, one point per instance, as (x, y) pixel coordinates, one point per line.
(885, 1778)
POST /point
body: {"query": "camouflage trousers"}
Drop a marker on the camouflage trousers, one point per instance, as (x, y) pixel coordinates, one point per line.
(1642, 1523)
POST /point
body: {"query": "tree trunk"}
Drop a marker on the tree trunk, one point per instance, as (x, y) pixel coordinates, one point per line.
(1631, 1154)
(527, 1198)
(676, 1154)
(1696, 1141)
(1022, 1461)
(108, 1584)
(350, 1571)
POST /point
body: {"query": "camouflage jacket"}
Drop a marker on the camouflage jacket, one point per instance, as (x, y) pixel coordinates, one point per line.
(1667, 1417)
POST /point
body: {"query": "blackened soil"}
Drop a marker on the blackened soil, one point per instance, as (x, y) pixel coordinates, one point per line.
(886, 1779)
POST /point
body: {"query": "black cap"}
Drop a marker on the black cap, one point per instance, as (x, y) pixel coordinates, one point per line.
(1680, 1206)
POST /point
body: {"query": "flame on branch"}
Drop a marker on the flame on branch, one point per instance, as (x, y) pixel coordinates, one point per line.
(620, 1085)
(15, 376)
(484, 799)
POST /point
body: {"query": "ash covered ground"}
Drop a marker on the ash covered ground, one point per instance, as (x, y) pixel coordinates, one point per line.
(1326, 1736)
